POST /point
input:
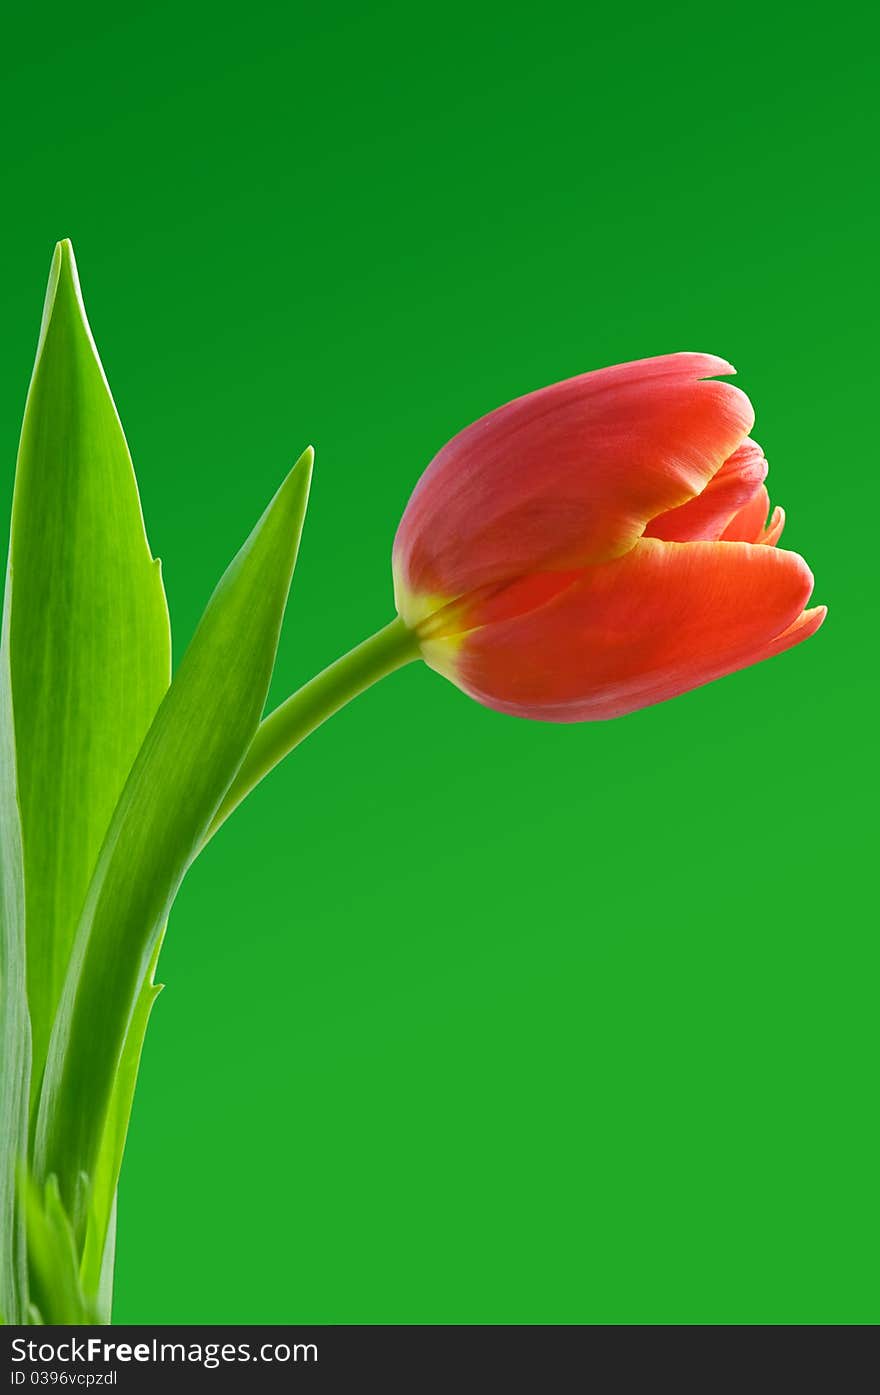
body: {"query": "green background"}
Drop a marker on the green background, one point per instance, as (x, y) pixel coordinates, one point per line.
(471, 1019)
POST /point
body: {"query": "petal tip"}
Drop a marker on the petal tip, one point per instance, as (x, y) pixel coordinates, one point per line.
(816, 617)
(773, 530)
(721, 367)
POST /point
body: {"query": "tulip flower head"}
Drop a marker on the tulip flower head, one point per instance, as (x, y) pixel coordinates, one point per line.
(601, 545)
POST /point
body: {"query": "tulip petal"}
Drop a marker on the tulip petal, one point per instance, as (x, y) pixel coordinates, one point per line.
(773, 532)
(568, 475)
(707, 516)
(494, 603)
(662, 619)
(807, 623)
(748, 524)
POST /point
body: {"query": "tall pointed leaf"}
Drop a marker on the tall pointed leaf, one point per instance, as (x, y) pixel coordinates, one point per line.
(97, 1261)
(15, 1038)
(187, 762)
(89, 635)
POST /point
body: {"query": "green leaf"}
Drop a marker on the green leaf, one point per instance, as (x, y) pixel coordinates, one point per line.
(90, 648)
(15, 1035)
(187, 762)
(58, 1295)
(97, 1263)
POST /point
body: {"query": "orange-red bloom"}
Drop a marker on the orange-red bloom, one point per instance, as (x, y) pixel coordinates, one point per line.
(600, 545)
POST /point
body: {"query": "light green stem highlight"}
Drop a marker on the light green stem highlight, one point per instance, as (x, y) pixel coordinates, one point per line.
(385, 651)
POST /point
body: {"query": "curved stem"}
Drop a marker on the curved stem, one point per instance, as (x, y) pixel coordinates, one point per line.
(385, 651)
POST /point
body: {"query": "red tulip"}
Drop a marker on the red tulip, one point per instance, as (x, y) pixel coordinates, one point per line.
(600, 545)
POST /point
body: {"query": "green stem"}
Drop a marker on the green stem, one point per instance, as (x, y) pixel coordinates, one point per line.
(291, 723)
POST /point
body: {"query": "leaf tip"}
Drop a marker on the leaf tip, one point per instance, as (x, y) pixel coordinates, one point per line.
(299, 481)
(62, 273)
(64, 264)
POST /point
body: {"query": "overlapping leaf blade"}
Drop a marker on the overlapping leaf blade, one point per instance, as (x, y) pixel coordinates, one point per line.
(189, 757)
(57, 1294)
(90, 650)
(15, 1039)
(88, 639)
(97, 1261)
(86, 658)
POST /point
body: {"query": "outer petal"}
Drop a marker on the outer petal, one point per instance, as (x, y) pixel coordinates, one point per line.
(664, 618)
(568, 475)
(706, 516)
